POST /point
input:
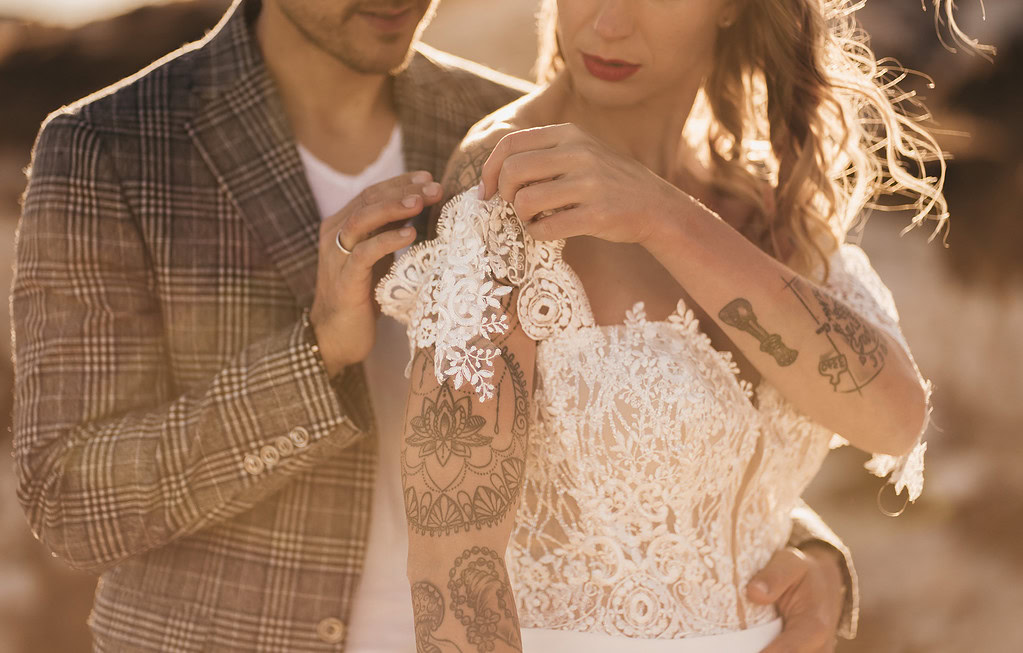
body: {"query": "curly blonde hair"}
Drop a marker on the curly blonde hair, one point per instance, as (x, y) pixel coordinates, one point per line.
(797, 99)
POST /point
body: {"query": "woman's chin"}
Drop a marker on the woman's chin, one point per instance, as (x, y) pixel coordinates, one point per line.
(608, 95)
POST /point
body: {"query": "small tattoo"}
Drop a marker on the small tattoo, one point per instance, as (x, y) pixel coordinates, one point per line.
(739, 314)
(428, 615)
(447, 427)
(481, 599)
(862, 341)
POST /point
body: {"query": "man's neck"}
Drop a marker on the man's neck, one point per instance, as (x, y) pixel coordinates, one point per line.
(344, 117)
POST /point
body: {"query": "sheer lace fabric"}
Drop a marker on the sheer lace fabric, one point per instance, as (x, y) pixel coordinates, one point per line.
(654, 489)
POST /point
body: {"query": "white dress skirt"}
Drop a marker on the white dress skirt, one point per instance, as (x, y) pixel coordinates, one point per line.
(751, 640)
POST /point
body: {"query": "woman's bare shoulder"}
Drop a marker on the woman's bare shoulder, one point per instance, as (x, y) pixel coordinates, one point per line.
(466, 162)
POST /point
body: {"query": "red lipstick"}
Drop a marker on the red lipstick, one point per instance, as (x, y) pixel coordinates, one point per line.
(609, 70)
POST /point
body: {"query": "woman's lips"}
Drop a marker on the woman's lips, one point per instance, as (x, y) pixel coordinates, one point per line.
(609, 70)
(387, 21)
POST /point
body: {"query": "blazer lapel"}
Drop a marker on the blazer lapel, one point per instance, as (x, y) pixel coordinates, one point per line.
(242, 133)
(424, 112)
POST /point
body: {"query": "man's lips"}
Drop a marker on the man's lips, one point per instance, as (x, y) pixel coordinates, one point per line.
(609, 70)
(387, 20)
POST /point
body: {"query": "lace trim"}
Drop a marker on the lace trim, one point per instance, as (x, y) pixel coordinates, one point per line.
(447, 290)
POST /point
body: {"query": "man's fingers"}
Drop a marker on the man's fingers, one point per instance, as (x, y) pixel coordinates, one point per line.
(394, 187)
(361, 224)
(524, 140)
(358, 269)
(786, 568)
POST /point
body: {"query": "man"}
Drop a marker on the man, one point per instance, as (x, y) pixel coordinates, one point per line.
(192, 314)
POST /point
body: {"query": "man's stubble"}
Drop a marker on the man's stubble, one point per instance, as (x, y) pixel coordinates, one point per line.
(339, 36)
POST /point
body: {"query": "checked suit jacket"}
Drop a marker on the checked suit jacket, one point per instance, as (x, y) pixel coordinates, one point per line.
(175, 428)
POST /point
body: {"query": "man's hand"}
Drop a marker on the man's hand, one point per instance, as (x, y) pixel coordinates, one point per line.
(808, 588)
(342, 313)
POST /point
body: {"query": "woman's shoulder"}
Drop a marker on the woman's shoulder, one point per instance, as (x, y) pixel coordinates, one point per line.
(466, 162)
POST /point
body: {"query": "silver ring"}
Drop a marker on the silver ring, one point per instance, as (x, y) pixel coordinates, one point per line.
(337, 241)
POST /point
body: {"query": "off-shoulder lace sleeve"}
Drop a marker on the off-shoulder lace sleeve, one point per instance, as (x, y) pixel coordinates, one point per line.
(854, 281)
(447, 291)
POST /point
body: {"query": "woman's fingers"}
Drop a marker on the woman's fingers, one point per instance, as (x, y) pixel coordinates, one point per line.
(525, 140)
(524, 169)
(542, 197)
(561, 224)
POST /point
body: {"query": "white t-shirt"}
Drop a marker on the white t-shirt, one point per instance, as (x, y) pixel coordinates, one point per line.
(381, 620)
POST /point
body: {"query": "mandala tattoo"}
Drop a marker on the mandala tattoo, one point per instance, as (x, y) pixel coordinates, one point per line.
(481, 599)
(447, 427)
(458, 474)
(862, 341)
(738, 313)
(428, 615)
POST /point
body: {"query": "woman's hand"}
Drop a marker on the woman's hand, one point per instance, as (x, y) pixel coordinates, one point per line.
(563, 182)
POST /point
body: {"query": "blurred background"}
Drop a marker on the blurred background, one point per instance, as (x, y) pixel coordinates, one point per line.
(946, 576)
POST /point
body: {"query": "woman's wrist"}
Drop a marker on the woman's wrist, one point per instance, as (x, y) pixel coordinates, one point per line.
(670, 218)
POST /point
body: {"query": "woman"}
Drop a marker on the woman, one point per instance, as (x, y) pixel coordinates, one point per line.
(650, 296)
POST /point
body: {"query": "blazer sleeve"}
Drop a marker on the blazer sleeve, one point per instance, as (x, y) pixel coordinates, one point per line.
(110, 461)
(807, 526)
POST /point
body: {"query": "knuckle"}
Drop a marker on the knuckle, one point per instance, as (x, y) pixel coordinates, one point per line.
(362, 253)
(526, 202)
(369, 196)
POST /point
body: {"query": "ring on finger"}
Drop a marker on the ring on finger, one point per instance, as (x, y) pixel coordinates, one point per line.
(337, 241)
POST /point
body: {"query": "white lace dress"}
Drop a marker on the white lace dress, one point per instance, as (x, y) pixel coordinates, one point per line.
(653, 489)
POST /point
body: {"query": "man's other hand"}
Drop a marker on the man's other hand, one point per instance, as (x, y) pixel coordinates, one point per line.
(807, 587)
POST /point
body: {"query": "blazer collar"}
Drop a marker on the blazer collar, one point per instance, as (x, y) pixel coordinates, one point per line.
(243, 134)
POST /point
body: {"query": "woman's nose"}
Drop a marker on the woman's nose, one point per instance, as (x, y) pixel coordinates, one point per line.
(614, 20)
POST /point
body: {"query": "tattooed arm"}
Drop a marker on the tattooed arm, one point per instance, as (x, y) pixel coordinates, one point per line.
(461, 466)
(843, 364)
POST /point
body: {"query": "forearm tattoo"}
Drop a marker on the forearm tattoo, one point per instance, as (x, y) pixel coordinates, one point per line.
(428, 615)
(739, 313)
(466, 170)
(482, 601)
(462, 463)
(841, 327)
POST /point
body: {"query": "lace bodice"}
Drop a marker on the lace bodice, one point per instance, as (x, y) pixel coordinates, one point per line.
(654, 488)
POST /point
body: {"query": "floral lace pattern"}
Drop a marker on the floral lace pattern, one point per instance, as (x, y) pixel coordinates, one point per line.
(654, 488)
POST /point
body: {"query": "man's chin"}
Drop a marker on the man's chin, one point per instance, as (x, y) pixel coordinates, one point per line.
(391, 59)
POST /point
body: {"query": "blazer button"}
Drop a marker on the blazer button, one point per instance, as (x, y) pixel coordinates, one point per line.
(285, 446)
(299, 436)
(253, 464)
(270, 455)
(331, 630)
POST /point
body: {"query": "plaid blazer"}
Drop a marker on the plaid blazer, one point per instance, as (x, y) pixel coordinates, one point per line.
(174, 425)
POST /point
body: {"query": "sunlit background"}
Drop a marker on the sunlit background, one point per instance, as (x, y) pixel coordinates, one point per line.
(946, 577)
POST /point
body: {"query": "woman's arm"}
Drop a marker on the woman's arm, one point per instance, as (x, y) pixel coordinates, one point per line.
(830, 361)
(462, 463)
